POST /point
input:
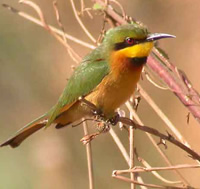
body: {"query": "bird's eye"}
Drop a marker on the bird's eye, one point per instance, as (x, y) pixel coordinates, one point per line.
(130, 40)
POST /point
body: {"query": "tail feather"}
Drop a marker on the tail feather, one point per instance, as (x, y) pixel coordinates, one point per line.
(59, 125)
(26, 131)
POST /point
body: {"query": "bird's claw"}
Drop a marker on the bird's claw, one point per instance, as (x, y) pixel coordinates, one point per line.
(101, 117)
(114, 120)
(104, 124)
(103, 127)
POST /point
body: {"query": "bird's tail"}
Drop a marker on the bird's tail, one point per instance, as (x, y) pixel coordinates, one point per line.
(26, 131)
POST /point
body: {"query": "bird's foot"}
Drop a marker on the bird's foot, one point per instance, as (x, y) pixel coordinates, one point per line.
(102, 118)
(114, 120)
(103, 127)
(98, 114)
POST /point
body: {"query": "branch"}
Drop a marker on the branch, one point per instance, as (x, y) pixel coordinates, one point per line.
(144, 169)
(148, 185)
(164, 118)
(129, 122)
(38, 22)
(131, 152)
(119, 144)
(155, 132)
(166, 159)
(74, 56)
(176, 85)
(89, 158)
(155, 173)
(81, 23)
(148, 130)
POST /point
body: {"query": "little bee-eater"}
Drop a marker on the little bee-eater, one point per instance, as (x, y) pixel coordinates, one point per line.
(106, 77)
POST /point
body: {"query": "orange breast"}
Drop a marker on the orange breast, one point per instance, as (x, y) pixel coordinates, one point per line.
(117, 87)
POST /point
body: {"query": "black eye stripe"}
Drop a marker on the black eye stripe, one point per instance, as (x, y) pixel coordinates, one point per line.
(121, 45)
(124, 44)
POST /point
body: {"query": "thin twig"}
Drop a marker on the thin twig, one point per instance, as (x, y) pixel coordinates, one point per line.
(154, 83)
(155, 132)
(123, 151)
(163, 155)
(177, 87)
(46, 26)
(165, 119)
(89, 158)
(119, 144)
(42, 18)
(74, 56)
(82, 6)
(87, 10)
(121, 7)
(59, 20)
(38, 22)
(81, 23)
(156, 174)
(131, 149)
(144, 169)
(144, 184)
(139, 179)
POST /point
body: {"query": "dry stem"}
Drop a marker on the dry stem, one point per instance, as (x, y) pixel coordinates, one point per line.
(165, 119)
(163, 155)
(155, 132)
(89, 158)
(81, 23)
(57, 31)
(144, 169)
(131, 149)
(123, 151)
(147, 185)
(156, 174)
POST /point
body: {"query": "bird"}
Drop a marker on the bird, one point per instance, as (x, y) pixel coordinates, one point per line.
(107, 77)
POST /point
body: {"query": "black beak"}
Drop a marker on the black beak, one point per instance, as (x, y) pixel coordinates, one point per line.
(157, 36)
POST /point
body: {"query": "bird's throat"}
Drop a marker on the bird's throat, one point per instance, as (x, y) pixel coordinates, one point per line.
(137, 62)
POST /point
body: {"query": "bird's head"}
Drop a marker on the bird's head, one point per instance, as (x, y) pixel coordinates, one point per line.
(132, 41)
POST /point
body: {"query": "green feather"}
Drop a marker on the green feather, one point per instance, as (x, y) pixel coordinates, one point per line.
(84, 79)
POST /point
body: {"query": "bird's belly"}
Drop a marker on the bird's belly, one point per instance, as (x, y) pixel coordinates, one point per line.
(112, 92)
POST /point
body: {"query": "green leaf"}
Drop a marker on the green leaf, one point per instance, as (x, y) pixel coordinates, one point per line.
(97, 6)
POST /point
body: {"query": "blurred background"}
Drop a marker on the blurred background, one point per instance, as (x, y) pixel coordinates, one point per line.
(34, 68)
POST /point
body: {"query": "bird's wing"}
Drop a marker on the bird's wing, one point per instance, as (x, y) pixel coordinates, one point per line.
(84, 79)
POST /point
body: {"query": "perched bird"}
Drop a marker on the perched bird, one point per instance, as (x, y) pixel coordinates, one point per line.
(106, 77)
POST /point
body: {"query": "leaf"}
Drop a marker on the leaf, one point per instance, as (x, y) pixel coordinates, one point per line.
(97, 6)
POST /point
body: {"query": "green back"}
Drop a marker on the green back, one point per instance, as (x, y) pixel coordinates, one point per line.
(84, 79)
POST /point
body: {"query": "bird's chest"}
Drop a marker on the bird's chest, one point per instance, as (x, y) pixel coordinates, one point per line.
(114, 90)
